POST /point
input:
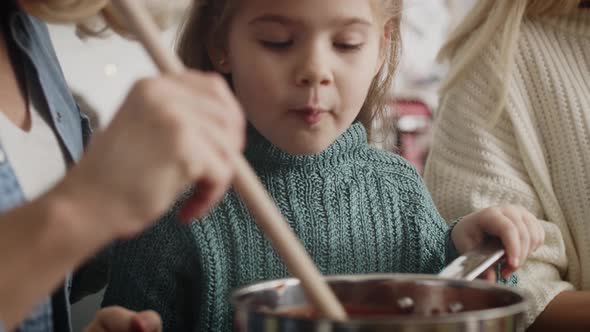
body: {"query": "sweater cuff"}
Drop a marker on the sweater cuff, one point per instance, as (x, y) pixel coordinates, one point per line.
(511, 281)
(450, 250)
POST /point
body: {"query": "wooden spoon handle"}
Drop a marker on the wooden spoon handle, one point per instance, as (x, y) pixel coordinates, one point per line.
(265, 212)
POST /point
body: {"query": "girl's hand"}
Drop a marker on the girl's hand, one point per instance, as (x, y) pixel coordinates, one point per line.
(118, 319)
(518, 229)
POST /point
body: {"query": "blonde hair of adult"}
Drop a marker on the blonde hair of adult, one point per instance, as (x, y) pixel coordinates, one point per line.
(484, 21)
(207, 22)
(95, 17)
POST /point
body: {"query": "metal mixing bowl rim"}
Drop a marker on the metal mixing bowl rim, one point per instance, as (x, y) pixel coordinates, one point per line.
(485, 314)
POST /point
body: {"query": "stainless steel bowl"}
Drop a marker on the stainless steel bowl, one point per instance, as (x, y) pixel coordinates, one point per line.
(405, 302)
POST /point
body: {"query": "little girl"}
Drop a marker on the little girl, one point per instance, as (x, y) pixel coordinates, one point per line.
(311, 75)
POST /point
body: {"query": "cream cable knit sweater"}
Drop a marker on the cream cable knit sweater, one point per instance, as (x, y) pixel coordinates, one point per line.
(538, 155)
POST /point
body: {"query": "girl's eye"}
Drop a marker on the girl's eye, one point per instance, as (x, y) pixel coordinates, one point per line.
(348, 46)
(276, 44)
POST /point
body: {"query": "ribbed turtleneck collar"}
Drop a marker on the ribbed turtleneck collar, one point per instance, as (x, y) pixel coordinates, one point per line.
(263, 154)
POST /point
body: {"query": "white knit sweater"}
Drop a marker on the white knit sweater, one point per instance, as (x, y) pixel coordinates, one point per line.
(538, 154)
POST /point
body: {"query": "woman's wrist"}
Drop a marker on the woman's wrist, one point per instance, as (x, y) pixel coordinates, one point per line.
(80, 214)
(69, 221)
(43, 240)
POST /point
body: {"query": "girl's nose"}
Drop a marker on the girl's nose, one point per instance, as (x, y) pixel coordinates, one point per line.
(314, 70)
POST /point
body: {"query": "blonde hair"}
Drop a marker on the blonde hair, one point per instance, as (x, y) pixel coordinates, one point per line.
(93, 17)
(487, 18)
(207, 22)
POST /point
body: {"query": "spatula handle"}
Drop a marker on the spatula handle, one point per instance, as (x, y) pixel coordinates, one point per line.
(474, 262)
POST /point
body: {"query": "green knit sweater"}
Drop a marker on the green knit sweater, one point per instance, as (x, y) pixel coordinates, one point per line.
(355, 208)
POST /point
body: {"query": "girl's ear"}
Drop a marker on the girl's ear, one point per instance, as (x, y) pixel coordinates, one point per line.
(219, 58)
(385, 44)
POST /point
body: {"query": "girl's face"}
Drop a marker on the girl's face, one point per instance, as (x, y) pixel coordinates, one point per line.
(302, 68)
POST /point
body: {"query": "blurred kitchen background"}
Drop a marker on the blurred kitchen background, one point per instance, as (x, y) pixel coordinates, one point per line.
(100, 72)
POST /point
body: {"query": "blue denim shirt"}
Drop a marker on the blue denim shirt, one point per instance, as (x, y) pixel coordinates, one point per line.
(28, 41)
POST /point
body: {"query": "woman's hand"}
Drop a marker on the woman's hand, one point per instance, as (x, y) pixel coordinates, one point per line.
(518, 229)
(170, 132)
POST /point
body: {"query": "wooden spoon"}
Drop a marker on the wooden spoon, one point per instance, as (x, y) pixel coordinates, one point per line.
(266, 214)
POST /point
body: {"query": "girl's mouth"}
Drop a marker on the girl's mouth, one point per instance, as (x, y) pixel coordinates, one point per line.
(311, 115)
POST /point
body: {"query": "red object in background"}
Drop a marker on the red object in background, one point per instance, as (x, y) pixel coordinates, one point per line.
(413, 120)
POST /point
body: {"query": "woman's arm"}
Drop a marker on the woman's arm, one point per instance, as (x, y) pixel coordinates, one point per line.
(473, 165)
(568, 311)
(131, 173)
(40, 242)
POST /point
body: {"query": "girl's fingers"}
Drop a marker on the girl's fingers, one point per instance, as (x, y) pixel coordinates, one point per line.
(489, 275)
(505, 229)
(524, 236)
(146, 321)
(533, 230)
(537, 230)
(507, 271)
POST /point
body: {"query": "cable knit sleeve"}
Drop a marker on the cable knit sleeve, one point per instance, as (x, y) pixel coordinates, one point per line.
(425, 233)
(473, 165)
(156, 271)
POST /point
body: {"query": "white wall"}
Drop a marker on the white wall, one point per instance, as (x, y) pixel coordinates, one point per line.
(102, 70)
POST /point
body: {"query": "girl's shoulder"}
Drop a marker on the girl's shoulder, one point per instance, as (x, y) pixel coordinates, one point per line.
(389, 163)
(391, 171)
